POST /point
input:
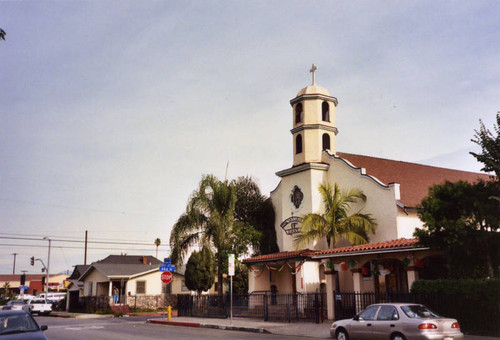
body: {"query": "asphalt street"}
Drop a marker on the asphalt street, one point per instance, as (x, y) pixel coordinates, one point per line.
(136, 328)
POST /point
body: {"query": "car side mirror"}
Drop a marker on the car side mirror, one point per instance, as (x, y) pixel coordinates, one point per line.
(44, 328)
(356, 318)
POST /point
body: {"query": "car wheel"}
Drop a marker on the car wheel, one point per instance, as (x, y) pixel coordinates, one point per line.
(398, 337)
(342, 335)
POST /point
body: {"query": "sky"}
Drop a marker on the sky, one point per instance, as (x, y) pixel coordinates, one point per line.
(111, 111)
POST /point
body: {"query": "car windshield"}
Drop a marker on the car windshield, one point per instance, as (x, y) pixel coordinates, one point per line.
(18, 323)
(419, 311)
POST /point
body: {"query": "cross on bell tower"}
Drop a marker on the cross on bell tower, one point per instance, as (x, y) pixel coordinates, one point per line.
(313, 71)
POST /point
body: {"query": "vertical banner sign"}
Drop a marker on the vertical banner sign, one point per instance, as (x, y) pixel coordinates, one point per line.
(230, 265)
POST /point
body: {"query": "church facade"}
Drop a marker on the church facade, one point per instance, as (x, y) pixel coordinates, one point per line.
(390, 261)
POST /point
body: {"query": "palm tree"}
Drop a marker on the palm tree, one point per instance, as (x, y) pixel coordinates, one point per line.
(208, 221)
(157, 244)
(335, 223)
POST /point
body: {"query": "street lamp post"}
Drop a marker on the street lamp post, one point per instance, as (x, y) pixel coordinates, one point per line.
(48, 266)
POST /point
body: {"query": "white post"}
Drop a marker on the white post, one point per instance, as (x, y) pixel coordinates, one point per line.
(231, 299)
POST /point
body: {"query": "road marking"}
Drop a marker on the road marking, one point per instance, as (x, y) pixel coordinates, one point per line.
(84, 328)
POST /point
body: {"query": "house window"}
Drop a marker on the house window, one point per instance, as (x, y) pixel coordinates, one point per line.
(325, 112)
(298, 113)
(90, 288)
(298, 144)
(140, 287)
(326, 141)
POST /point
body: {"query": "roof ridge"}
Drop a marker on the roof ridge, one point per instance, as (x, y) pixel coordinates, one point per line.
(412, 163)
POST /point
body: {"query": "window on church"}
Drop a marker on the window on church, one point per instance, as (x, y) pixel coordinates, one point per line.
(298, 113)
(325, 109)
(326, 141)
(298, 144)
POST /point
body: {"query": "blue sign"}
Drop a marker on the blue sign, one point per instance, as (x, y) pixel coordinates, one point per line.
(24, 287)
(167, 268)
(167, 260)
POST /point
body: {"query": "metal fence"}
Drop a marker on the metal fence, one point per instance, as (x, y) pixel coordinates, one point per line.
(475, 316)
(276, 307)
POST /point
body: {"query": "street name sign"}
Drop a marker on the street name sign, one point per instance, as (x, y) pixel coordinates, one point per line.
(167, 268)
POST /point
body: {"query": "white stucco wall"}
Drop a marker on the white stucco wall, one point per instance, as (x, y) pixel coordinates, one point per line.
(407, 223)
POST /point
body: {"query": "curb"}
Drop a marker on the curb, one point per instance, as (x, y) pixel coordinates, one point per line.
(205, 325)
(175, 323)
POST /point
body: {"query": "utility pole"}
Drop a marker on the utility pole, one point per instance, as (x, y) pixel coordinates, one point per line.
(14, 267)
(85, 257)
(48, 266)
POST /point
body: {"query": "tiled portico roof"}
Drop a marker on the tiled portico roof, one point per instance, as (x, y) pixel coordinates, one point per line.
(414, 179)
(284, 255)
(379, 247)
(399, 244)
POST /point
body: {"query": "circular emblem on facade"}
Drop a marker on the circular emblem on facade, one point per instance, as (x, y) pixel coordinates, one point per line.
(296, 197)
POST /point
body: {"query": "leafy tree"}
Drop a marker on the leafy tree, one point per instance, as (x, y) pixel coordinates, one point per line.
(490, 145)
(157, 244)
(461, 220)
(240, 279)
(7, 294)
(200, 270)
(256, 210)
(209, 221)
(335, 223)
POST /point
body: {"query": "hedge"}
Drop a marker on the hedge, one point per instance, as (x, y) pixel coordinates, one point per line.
(474, 302)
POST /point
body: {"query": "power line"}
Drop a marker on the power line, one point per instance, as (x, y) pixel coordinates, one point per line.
(69, 247)
(78, 239)
(81, 241)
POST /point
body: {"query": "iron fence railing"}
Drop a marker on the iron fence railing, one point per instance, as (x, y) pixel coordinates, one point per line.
(282, 307)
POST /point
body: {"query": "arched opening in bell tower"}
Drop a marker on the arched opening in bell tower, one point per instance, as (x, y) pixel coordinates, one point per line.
(325, 112)
(326, 141)
(298, 144)
(298, 113)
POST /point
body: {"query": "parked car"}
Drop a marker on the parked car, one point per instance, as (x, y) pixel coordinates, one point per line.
(40, 306)
(17, 305)
(15, 324)
(397, 321)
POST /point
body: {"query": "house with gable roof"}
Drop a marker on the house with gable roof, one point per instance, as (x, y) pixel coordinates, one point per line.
(132, 275)
(391, 261)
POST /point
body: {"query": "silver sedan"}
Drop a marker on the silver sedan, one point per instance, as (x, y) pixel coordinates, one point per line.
(397, 321)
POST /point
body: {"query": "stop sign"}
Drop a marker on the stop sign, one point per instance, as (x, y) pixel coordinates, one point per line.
(166, 277)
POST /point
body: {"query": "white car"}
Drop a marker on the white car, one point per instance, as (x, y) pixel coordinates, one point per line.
(40, 306)
(17, 305)
(397, 321)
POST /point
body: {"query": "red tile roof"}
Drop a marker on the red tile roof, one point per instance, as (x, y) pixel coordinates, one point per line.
(307, 253)
(393, 244)
(284, 255)
(414, 179)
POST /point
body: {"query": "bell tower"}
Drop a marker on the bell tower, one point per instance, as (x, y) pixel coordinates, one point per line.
(313, 123)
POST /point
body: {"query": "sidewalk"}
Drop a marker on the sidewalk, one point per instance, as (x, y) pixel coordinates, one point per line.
(302, 329)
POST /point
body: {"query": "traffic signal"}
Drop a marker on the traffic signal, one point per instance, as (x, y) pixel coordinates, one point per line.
(23, 279)
(32, 261)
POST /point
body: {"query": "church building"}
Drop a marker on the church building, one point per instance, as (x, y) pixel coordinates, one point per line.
(390, 261)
